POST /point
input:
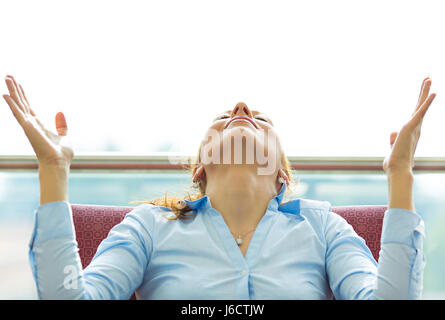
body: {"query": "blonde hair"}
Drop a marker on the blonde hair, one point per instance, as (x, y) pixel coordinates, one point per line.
(181, 212)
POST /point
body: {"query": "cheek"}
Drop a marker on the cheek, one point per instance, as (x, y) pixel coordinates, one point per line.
(212, 136)
(268, 141)
(211, 141)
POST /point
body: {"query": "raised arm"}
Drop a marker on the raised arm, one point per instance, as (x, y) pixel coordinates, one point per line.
(118, 267)
(398, 165)
(353, 273)
(53, 151)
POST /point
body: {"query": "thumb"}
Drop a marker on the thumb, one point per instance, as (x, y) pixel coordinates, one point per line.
(62, 128)
(393, 138)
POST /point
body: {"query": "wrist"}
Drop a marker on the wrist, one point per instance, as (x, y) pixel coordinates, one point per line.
(400, 190)
(54, 167)
(406, 175)
(53, 183)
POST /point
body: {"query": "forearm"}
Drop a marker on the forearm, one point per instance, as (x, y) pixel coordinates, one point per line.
(53, 253)
(400, 190)
(53, 183)
(354, 274)
(57, 268)
(401, 261)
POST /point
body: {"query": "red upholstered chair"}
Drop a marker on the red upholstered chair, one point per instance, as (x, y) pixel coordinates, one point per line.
(93, 222)
(367, 221)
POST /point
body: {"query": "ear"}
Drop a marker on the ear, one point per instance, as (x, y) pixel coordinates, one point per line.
(197, 171)
(284, 175)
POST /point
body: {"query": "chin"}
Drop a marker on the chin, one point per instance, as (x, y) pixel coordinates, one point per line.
(241, 144)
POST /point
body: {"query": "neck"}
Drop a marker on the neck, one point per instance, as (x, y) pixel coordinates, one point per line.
(240, 195)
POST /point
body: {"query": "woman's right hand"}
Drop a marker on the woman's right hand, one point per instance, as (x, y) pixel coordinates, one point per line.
(51, 149)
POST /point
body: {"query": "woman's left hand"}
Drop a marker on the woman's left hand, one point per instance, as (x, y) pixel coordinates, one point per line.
(404, 143)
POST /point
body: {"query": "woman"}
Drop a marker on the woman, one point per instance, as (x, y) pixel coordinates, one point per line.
(241, 241)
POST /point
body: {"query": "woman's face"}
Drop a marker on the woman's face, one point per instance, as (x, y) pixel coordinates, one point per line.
(242, 137)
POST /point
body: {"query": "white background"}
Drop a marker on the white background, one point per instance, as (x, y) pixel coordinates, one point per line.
(336, 77)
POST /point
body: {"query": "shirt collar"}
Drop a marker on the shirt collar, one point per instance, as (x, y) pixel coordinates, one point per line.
(201, 203)
(204, 204)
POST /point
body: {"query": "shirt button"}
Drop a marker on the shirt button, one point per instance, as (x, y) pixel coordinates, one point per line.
(243, 273)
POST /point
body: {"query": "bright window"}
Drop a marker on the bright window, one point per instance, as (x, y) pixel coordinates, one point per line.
(336, 77)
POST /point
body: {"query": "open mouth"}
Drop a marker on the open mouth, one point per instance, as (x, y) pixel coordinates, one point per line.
(241, 118)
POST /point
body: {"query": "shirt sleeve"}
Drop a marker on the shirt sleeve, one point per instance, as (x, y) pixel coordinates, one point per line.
(352, 270)
(115, 272)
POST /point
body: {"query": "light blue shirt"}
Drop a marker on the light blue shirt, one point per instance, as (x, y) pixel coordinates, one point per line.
(299, 250)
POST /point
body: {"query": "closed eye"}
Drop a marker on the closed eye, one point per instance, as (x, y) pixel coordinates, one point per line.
(226, 116)
(262, 119)
(223, 116)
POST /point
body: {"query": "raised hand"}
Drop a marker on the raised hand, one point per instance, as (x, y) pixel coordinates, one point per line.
(404, 143)
(51, 149)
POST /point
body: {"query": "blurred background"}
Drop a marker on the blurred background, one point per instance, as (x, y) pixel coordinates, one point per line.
(143, 78)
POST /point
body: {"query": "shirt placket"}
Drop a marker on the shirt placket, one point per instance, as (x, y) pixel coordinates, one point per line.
(243, 264)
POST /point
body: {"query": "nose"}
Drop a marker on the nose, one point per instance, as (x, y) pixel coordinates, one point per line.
(241, 109)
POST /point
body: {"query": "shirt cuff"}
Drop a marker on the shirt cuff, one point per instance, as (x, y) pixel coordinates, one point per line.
(403, 226)
(52, 220)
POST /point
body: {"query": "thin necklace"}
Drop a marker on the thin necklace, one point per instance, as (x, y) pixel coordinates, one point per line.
(239, 239)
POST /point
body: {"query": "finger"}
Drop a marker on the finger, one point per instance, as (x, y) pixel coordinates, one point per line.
(392, 138)
(22, 97)
(22, 93)
(13, 93)
(16, 111)
(25, 103)
(421, 111)
(16, 86)
(421, 89)
(29, 109)
(62, 128)
(423, 93)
